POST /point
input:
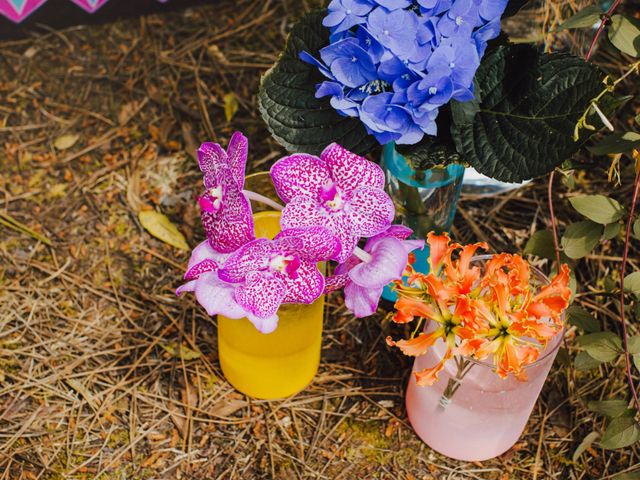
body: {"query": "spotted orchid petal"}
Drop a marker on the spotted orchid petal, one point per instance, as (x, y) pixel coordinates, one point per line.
(361, 301)
(253, 256)
(302, 211)
(388, 261)
(190, 286)
(371, 211)
(342, 227)
(261, 295)
(307, 285)
(335, 282)
(231, 226)
(237, 153)
(212, 160)
(401, 232)
(299, 174)
(217, 297)
(203, 259)
(351, 171)
(316, 243)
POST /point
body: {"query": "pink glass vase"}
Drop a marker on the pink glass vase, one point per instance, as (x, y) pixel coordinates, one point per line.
(487, 414)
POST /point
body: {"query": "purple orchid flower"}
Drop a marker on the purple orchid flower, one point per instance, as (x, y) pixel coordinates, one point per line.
(215, 295)
(340, 191)
(225, 212)
(364, 281)
(266, 273)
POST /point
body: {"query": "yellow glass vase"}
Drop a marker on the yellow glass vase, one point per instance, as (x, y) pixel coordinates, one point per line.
(280, 363)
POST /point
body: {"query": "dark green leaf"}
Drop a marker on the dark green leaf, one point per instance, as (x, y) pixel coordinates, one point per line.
(584, 362)
(616, 143)
(582, 319)
(621, 432)
(541, 245)
(611, 231)
(633, 344)
(530, 104)
(584, 444)
(624, 33)
(632, 283)
(295, 117)
(513, 6)
(610, 408)
(584, 18)
(580, 238)
(603, 346)
(598, 208)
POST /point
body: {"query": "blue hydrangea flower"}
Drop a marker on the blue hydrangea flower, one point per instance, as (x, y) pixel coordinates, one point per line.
(395, 63)
(344, 14)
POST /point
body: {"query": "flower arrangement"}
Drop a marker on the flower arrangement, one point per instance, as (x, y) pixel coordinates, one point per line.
(434, 76)
(497, 313)
(394, 63)
(331, 202)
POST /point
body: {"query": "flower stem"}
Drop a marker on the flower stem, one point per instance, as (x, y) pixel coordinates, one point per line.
(256, 197)
(362, 255)
(454, 383)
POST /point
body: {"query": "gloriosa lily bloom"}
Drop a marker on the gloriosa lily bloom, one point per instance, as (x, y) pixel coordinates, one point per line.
(495, 313)
(340, 191)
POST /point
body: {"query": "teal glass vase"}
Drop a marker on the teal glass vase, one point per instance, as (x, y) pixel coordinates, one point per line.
(425, 200)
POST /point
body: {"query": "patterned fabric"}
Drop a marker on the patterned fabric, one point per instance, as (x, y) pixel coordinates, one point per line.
(18, 10)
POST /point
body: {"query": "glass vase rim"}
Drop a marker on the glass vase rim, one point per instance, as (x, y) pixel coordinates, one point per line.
(557, 338)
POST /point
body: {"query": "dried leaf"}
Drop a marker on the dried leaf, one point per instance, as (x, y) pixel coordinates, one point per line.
(66, 141)
(161, 227)
(230, 106)
(181, 351)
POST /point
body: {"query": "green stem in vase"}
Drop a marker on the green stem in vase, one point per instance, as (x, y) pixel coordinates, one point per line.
(454, 383)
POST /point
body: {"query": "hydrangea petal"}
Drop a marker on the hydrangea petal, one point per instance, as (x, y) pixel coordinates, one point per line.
(317, 243)
(237, 153)
(299, 174)
(302, 212)
(216, 296)
(351, 171)
(250, 257)
(371, 211)
(261, 295)
(306, 287)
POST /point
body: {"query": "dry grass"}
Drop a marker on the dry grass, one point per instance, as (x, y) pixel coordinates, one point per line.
(90, 386)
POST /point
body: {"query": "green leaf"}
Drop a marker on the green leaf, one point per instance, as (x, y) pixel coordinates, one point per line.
(530, 104)
(632, 283)
(633, 344)
(624, 33)
(286, 98)
(541, 245)
(627, 476)
(580, 238)
(66, 141)
(611, 231)
(584, 362)
(584, 18)
(585, 444)
(621, 432)
(636, 360)
(598, 208)
(603, 346)
(616, 143)
(582, 319)
(636, 228)
(610, 408)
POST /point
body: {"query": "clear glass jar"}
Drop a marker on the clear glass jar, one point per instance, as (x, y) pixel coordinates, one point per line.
(487, 414)
(425, 200)
(281, 363)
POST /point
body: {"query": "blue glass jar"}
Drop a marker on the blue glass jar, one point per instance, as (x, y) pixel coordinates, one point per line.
(425, 200)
